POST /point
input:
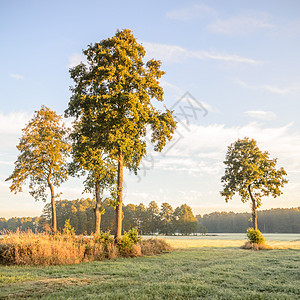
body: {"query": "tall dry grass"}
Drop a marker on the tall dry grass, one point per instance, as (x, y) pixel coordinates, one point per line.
(28, 248)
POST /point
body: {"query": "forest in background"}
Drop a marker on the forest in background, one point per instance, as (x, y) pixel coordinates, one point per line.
(153, 219)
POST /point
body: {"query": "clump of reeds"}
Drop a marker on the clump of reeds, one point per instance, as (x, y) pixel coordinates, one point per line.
(28, 248)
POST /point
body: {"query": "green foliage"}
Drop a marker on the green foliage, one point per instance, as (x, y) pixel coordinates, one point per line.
(128, 242)
(68, 229)
(247, 166)
(43, 151)
(112, 95)
(255, 236)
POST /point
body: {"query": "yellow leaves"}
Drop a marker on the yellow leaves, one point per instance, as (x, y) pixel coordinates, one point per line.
(43, 150)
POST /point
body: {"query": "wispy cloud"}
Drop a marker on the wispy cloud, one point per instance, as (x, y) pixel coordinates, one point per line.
(266, 87)
(242, 24)
(13, 122)
(260, 114)
(196, 11)
(173, 53)
(75, 59)
(16, 76)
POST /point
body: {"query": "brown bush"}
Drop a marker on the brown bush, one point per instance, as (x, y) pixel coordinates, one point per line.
(256, 247)
(154, 246)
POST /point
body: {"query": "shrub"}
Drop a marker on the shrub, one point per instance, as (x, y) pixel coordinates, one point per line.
(255, 236)
(68, 229)
(101, 246)
(129, 244)
(254, 246)
(154, 246)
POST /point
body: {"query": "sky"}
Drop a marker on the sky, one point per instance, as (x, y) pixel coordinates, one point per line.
(232, 70)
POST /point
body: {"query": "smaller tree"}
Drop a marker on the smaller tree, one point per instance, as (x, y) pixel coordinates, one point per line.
(43, 151)
(252, 174)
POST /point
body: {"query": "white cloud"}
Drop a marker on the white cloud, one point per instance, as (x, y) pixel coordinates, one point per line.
(260, 114)
(16, 76)
(241, 25)
(13, 122)
(203, 148)
(75, 59)
(173, 53)
(269, 88)
(277, 90)
(192, 12)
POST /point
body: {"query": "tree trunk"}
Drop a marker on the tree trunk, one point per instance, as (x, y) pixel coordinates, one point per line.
(254, 209)
(119, 214)
(98, 209)
(54, 224)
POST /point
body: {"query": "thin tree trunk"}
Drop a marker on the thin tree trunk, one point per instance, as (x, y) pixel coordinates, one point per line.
(54, 224)
(254, 209)
(119, 214)
(98, 209)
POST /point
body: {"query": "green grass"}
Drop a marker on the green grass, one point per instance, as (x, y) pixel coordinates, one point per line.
(204, 273)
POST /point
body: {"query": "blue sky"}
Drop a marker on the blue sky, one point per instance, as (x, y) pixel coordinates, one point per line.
(238, 59)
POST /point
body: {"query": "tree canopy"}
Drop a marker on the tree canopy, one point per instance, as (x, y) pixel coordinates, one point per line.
(42, 160)
(112, 100)
(252, 174)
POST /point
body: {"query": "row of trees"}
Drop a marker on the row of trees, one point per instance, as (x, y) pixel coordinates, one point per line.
(279, 220)
(149, 219)
(153, 219)
(112, 106)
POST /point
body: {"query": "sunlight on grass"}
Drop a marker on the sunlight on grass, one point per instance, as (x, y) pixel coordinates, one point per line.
(196, 243)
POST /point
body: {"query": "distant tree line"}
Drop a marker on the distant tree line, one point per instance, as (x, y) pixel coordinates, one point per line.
(279, 220)
(153, 219)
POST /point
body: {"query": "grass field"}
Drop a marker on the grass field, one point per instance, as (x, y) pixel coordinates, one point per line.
(220, 271)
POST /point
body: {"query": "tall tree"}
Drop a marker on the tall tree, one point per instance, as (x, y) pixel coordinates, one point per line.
(90, 158)
(113, 96)
(43, 151)
(252, 174)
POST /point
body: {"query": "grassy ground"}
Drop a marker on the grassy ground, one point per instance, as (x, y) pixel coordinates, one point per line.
(192, 273)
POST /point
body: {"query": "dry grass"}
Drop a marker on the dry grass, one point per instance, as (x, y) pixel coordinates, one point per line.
(28, 248)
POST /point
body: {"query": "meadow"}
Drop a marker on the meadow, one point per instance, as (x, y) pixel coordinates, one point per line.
(196, 269)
